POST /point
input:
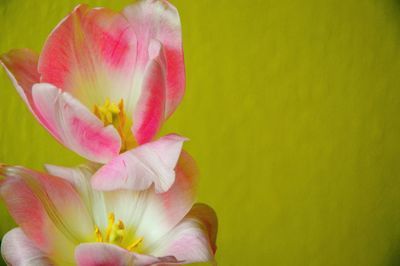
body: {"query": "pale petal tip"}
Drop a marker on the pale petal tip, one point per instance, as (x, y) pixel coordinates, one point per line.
(176, 137)
(139, 168)
(5, 169)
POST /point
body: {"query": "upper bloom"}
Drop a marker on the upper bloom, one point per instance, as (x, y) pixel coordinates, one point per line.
(104, 81)
(63, 221)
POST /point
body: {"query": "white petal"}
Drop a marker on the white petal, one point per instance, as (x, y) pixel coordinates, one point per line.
(80, 177)
(17, 249)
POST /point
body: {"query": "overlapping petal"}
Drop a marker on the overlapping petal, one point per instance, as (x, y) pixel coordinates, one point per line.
(150, 109)
(139, 168)
(18, 249)
(159, 20)
(113, 255)
(79, 177)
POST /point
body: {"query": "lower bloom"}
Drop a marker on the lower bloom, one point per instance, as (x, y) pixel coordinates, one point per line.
(63, 221)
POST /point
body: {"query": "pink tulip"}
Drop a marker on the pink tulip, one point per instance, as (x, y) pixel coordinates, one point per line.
(63, 221)
(105, 81)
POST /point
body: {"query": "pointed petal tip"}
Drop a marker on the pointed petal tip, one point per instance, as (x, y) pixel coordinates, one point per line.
(3, 168)
(176, 137)
(4, 57)
(8, 170)
(208, 217)
(139, 168)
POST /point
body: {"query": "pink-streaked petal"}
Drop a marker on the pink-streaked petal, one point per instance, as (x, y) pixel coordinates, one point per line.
(165, 210)
(78, 128)
(96, 254)
(48, 210)
(21, 67)
(138, 169)
(91, 54)
(17, 249)
(192, 240)
(149, 112)
(159, 20)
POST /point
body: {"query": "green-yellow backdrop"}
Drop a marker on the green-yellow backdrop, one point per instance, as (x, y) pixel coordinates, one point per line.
(292, 108)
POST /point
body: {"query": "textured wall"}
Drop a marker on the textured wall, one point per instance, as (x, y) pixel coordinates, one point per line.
(292, 108)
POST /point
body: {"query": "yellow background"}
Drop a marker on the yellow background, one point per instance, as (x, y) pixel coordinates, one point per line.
(292, 108)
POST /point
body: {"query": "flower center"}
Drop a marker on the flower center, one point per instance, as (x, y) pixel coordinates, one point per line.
(117, 234)
(114, 114)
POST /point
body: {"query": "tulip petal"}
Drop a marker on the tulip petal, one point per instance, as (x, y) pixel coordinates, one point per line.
(192, 240)
(138, 169)
(159, 20)
(165, 210)
(80, 177)
(77, 128)
(155, 214)
(178, 200)
(18, 249)
(95, 254)
(47, 208)
(207, 216)
(149, 112)
(21, 67)
(91, 54)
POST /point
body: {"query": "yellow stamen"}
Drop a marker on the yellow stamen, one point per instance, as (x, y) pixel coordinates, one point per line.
(98, 234)
(120, 225)
(111, 113)
(111, 220)
(116, 233)
(114, 114)
(135, 244)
